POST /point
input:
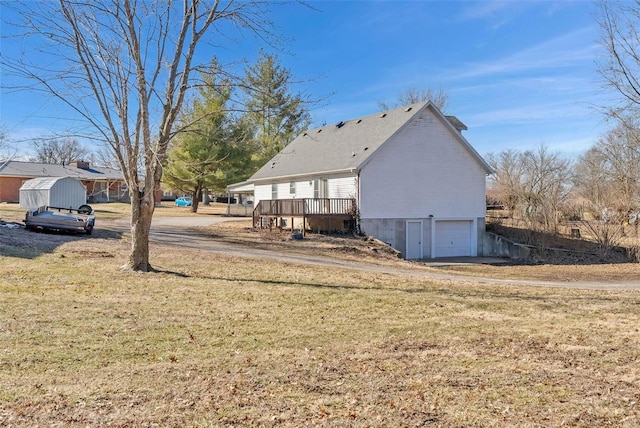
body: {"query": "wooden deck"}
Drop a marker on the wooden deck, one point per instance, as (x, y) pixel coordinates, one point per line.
(269, 211)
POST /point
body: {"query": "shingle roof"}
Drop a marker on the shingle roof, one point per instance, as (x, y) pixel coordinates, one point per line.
(345, 146)
(34, 169)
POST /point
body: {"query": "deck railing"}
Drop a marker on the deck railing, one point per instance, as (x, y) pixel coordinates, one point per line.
(303, 207)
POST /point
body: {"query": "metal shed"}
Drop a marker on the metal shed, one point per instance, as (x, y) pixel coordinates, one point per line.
(62, 192)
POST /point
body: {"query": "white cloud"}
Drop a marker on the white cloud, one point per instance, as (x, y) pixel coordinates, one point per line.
(498, 13)
(564, 83)
(531, 113)
(493, 8)
(564, 51)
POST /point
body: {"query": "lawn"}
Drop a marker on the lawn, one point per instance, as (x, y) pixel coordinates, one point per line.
(211, 340)
(114, 210)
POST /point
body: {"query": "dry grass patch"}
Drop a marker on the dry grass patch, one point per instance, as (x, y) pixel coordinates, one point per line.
(211, 340)
(12, 213)
(621, 272)
(115, 210)
(169, 209)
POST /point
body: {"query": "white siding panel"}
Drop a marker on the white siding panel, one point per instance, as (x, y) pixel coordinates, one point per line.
(261, 192)
(33, 198)
(343, 187)
(304, 189)
(68, 194)
(423, 171)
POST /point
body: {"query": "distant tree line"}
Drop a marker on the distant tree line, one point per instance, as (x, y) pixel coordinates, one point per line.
(601, 188)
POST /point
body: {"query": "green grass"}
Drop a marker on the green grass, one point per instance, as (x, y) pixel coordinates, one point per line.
(211, 340)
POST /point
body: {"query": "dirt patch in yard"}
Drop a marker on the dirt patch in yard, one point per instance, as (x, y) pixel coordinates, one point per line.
(345, 246)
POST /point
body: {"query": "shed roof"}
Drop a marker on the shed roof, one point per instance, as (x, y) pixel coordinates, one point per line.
(43, 183)
(347, 146)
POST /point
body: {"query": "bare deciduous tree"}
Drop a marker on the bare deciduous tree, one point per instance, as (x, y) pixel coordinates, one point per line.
(545, 186)
(608, 174)
(620, 68)
(58, 151)
(125, 67)
(591, 186)
(411, 95)
(104, 157)
(607, 234)
(506, 181)
(4, 144)
(534, 183)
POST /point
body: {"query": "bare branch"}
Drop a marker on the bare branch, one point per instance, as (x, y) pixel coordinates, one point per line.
(125, 68)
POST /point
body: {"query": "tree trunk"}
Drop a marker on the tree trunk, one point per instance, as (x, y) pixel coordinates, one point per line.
(197, 196)
(141, 216)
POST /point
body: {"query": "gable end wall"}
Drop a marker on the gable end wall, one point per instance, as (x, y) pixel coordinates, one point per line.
(423, 171)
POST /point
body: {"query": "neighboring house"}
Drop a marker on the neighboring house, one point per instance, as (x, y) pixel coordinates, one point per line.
(102, 184)
(416, 182)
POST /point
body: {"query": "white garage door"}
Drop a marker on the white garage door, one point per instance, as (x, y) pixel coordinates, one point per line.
(453, 238)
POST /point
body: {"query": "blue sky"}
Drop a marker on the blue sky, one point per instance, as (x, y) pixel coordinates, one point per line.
(518, 73)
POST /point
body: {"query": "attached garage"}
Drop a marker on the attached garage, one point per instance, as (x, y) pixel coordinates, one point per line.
(454, 238)
(60, 192)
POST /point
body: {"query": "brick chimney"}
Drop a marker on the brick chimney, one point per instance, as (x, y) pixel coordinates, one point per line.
(80, 164)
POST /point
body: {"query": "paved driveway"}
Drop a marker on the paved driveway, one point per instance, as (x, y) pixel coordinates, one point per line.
(173, 230)
(160, 223)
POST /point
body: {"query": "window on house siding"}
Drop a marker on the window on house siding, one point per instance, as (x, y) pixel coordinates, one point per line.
(320, 188)
(274, 191)
(292, 188)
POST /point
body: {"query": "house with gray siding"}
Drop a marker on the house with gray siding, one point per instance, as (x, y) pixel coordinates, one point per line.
(416, 182)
